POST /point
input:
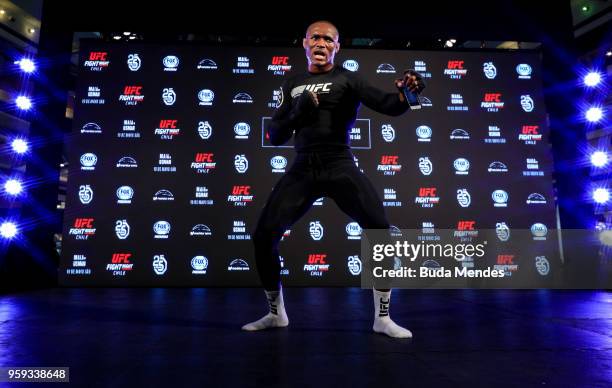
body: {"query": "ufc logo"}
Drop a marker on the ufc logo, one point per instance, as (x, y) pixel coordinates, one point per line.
(389, 159)
(119, 258)
(466, 225)
(492, 97)
(280, 60)
(132, 90)
(97, 56)
(204, 157)
(167, 123)
(505, 259)
(273, 306)
(384, 308)
(530, 129)
(83, 223)
(319, 87)
(427, 192)
(317, 259)
(455, 64)
(241, 190)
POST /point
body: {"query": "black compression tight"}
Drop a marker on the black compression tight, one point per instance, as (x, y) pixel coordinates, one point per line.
(313, 175)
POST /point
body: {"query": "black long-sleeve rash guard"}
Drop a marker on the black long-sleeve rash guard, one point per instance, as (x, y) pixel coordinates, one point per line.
(328, 126)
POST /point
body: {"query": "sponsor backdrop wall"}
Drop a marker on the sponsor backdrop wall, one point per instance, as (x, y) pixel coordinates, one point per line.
(169, 165)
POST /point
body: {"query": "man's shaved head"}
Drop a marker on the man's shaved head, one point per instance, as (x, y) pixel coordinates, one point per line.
(320, 23)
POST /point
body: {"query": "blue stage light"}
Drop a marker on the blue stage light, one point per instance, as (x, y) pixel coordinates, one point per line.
(599, 158)
(8, 230)
(23, 103)
(13, 187)
(601, 195)
(592, 79)
(26, 65)
(594, 114)
(20, 146)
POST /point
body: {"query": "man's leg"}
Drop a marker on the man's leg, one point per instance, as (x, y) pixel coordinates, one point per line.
(355, 196)
(291, 198)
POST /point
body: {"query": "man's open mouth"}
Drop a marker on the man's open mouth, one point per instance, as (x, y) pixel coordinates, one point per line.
(319, 54)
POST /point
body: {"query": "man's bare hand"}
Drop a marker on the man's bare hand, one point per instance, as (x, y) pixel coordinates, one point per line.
(314, 97)
(412, 80)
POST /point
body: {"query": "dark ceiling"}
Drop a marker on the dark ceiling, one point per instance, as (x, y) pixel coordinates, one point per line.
(464, 20)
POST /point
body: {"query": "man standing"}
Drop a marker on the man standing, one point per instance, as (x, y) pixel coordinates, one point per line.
(320, 107)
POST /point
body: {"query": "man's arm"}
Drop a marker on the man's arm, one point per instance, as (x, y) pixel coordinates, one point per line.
(389, 103)
(289, 115)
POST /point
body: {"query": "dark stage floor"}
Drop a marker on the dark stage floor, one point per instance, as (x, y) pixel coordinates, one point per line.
(192, 337)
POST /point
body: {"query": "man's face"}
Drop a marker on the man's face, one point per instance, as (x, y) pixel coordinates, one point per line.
(321, 44)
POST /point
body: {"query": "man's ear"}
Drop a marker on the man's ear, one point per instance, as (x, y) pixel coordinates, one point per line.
(304, 44)
(337, 47)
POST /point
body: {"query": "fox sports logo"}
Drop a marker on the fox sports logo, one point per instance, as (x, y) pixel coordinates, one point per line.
(278, 162)
(461, 165)
(206, 95)
(125, 193)
(351, 65)
(89, 159)
(499, 196)
(353, 229)
(171, 62)
(199, 263)
(524, 70)
(539, 230)
(242, 129)
(161, 228)
(423, 132)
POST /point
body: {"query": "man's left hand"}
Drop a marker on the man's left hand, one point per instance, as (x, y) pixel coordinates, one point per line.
(413, 80)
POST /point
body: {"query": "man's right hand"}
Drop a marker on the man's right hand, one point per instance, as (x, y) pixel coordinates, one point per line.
(305, 104)
(315, 97)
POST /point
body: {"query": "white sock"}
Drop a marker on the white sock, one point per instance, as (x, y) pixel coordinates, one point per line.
(382, 320)
(277, 317)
